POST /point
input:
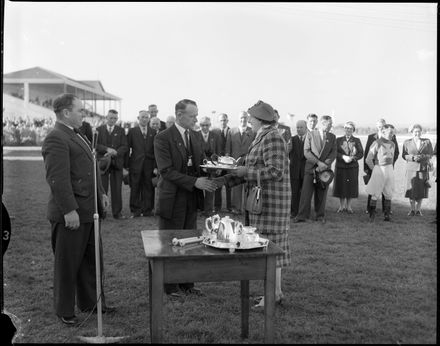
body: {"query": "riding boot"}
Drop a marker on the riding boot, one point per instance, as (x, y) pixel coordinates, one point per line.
(372, 209)
(387, 207)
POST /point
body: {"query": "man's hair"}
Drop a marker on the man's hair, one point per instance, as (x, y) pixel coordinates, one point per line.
(114, 111)
(154, 119)
(152, 105)
(63, 101)
(221, 114)
(325, 118)
(386, 126)
(204, 119)
(144, 111)
(312, 115)
(181, 105)
(415, 126)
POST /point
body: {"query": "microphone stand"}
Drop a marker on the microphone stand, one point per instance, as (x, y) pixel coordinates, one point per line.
(99, 339)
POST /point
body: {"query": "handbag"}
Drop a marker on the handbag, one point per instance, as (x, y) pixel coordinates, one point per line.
(430, 166)
(254, 198)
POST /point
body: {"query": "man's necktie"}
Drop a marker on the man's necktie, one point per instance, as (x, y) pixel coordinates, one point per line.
(186, 139)
(110, 129)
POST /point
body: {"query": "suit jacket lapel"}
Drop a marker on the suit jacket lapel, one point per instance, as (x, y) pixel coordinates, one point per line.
(178, 140)
(75, 137)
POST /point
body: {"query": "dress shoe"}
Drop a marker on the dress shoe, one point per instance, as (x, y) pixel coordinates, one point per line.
(119, 217)
(194, 290)
(147, 213)
(133, 215)
(321, 219)
(296, 220)
(259, 301)
(177, 294)
(70, 321)
(411, 213)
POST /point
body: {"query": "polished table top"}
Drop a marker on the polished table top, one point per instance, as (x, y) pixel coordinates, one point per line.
(157, 244)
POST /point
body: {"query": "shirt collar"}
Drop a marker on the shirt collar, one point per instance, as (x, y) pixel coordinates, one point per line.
(62, 122)
(181, 130)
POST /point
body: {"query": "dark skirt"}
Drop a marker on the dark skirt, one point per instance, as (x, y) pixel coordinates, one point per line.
(346, 184)
(417, 185)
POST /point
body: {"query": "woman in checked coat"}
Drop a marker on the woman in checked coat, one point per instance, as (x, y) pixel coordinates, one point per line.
(268, 154)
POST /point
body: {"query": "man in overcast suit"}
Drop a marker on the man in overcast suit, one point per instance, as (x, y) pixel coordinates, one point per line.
(69, 167)
(238, 142)
(112, 142)
(297, 162)
(179, 154)
(141, 164)
(210, 145)
(320, 152)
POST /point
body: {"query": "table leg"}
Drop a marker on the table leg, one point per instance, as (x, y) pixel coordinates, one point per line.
(244, 308)
(156, 300)
(269, 299)
(150, 291)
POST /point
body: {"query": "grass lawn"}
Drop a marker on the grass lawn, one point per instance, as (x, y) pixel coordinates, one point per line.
(350, 282)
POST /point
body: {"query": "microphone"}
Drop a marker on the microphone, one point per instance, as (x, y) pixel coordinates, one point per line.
(95, 137)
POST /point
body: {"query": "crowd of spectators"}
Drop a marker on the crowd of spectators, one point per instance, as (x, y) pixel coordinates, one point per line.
(26, 131)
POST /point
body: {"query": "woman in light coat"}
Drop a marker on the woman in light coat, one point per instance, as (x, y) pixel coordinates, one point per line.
(268, 154)
(417, 152)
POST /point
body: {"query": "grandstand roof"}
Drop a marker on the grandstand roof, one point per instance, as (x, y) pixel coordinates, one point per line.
(41, 75)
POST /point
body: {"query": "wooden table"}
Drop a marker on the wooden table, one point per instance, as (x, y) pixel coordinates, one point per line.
(174, 264)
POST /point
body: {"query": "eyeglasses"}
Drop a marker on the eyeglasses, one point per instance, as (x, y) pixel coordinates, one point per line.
(348, 128)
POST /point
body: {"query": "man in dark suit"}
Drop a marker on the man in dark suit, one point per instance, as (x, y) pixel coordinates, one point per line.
(86, 130)
(152, 109)
(141, 164)
(222, 133)
(211, 145)
(284, 131)
(179, 154)
(297, 162)
(320, 152)
(370, 140)
(112, 142)
(69, 172)
(238, 142)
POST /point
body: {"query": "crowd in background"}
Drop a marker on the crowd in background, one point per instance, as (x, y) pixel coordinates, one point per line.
(222, 140)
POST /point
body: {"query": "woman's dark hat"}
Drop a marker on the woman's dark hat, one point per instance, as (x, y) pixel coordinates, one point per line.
(262, 111)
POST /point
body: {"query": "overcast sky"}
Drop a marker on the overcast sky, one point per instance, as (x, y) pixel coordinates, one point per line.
(355, 61)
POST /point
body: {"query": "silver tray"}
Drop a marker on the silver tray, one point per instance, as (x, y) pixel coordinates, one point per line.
(220, 166)
(233, 246)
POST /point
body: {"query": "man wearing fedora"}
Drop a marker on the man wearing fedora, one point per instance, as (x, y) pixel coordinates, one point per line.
(320, 152)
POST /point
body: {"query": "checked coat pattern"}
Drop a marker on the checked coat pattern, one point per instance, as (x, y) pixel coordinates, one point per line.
(268, 154)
